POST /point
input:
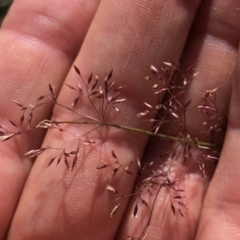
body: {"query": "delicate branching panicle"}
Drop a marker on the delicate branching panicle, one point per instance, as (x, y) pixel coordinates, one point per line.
(154, 176)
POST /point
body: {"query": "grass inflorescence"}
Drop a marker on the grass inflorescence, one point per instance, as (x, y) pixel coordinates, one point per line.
(105, 97)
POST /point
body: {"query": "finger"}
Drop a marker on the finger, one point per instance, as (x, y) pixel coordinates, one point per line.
(222, 198)
(213, 49)
(125, 36)
(38, 42)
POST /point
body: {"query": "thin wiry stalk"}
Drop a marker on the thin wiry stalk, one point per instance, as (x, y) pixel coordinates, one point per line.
(139, 130)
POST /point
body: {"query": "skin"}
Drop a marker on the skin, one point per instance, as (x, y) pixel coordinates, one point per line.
(39, 42)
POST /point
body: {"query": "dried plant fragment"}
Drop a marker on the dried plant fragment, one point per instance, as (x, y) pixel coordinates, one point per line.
(113, 212)
(51, 161)
(35, 153)
(77, 70)
(135, 211)
(8, 136)
(112, 189)
(102, 166)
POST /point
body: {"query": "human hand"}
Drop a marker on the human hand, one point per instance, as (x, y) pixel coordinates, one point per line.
(39, 43)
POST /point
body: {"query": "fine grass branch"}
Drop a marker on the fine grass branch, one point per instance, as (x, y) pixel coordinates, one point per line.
(200, 144)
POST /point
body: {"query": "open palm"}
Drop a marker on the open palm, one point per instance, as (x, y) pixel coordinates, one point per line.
(40, 41)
